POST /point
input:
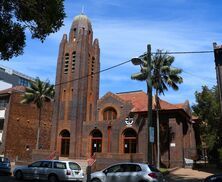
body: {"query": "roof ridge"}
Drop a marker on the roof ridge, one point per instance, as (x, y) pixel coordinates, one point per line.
(133, 91)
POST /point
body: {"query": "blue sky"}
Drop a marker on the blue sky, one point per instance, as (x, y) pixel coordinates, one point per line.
(124, 28)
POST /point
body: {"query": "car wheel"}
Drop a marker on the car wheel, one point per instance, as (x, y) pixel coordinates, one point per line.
(53, 178)
(19, 175)
(95, 180)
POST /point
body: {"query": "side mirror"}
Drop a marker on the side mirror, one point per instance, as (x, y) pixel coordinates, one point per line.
(105, 172)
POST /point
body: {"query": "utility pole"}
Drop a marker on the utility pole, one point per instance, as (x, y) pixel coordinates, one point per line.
(146, 68)
(218, 63)
(150, 110)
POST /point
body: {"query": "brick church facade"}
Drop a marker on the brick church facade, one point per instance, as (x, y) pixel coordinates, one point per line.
(84, 125)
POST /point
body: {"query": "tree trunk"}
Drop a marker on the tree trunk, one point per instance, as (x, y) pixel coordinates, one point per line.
(158, 130)
(38, 131)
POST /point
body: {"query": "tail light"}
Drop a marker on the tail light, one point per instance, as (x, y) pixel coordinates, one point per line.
(68, 172)
(152, 175)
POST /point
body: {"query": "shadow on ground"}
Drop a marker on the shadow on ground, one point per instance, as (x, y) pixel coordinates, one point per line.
(185, 178)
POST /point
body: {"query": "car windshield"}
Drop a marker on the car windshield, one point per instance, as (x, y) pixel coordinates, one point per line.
(3, 159)
(74, 166)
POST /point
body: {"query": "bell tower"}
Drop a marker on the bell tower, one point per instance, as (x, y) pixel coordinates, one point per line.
(77, 87)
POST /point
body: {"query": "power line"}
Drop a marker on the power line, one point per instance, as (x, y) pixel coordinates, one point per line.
(120, 64)
(94, 73)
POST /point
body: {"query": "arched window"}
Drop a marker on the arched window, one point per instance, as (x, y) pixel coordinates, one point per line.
(109, 114)
(96, 141)
(65, 141)
(130, 140)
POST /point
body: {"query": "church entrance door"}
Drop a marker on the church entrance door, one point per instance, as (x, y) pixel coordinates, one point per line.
(130, 141)
(65, 142)
(96, 141)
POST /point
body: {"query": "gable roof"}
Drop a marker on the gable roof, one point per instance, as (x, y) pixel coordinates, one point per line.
(139, 100)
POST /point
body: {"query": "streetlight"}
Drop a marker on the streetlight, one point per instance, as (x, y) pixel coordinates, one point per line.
(150, 130)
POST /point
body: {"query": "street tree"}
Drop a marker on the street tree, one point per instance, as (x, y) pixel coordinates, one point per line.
(38, 93)
(207, 108)
(40, 17)
(163, 75)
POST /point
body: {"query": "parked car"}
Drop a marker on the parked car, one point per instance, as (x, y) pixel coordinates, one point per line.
(128, 172)
(5, 166)
(51, 170)
(214, 178)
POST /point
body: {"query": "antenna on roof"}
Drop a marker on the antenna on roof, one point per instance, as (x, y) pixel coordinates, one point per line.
(82, 12)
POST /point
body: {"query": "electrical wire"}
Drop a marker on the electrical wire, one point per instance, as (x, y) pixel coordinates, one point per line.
(120, 64)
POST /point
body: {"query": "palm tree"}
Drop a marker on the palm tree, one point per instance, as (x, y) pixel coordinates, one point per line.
(163, 75)
(38, 93)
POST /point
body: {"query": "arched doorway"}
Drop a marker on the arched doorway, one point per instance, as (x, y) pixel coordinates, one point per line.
(65, 141)
(96, 141)
(130, 141)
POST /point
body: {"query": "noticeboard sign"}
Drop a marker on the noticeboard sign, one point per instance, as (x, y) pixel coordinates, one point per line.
(151, 131)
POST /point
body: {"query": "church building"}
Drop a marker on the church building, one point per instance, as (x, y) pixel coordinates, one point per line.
(112, 128)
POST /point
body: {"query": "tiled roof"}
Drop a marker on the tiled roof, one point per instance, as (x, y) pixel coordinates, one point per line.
(13, 89)
(139, 101)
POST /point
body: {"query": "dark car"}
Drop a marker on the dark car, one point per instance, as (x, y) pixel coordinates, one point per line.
(5, 166)
(214, 178)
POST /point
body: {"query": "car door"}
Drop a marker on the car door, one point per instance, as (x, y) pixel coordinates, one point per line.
(31, 172)
(130, 173)
(44, 170)
(113, 173)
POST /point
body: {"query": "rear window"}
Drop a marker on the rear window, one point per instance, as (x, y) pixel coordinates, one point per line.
(74, 166)
(59, 165)
(3, 159)
(153, 169)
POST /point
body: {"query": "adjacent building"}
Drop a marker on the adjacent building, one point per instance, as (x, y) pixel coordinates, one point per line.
(10, 78)
(19, 123)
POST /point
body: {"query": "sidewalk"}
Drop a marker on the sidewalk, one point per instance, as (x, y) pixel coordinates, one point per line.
(184, 174)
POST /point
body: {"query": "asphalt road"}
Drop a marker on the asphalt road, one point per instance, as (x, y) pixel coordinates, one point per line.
(8, 179)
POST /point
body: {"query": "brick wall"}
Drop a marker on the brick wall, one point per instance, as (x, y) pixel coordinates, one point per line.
(22, 128)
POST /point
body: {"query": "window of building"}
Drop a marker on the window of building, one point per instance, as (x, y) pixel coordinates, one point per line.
(109, 114)
(65, 143)
(92, 68)
(1, 124)
(73, 61)
(3, 102)
(130, 141)
(23, 82)
(96, 141)
(66, 63)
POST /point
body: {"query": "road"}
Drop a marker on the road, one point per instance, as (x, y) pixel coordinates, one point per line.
(8, 179)
(178, 175)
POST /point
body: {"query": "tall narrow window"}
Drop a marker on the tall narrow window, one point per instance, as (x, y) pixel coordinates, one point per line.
(92, 68)
(73, 61)
(96, 141)
(90, 112)
(66, 66)
(65, 143)
(130, 141)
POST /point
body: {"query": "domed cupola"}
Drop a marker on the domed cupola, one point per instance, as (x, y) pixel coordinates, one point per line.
(80, 23)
